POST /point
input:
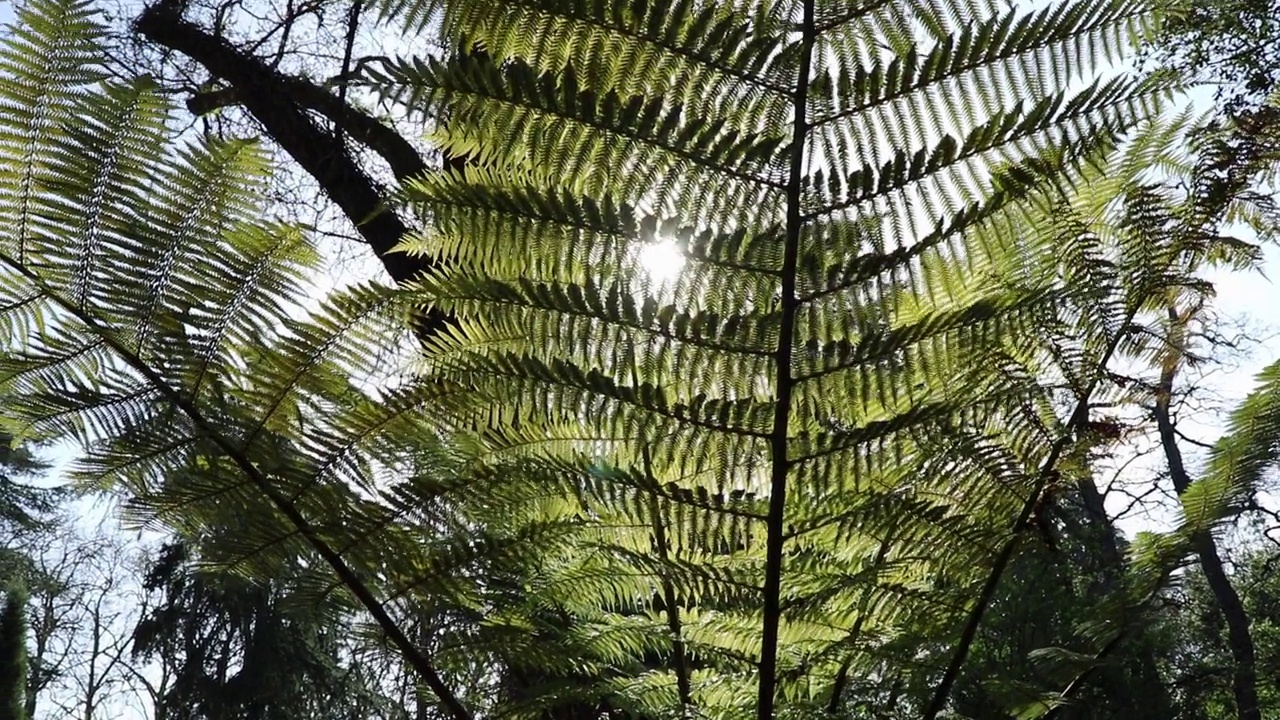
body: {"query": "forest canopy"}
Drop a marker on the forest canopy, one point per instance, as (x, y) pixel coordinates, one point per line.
(571, 359)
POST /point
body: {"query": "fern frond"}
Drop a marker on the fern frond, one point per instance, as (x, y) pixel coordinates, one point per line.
(803, 458)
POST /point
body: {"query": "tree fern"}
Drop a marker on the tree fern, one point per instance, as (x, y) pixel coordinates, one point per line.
(1140, 228)
(122, 339)
(1249, 448)
(793, 473)
(823, 356)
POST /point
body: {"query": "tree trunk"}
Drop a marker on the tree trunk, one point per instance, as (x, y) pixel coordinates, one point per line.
(1239, 638)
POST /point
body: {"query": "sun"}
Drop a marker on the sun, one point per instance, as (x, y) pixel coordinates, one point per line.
(662, 261)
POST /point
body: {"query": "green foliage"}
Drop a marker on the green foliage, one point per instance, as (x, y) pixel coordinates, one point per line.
(1232, 44)
(1200, 665)
(1133, 235)
(847, 333)
(24, 508)
(1033, 640)
(136, 338)
(1251, 446)
(13, 655)
(238, 650)
(786, 483)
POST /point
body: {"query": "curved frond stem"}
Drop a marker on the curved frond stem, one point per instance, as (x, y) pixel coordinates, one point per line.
(683, 682)
(1079, 416)
(416, 658)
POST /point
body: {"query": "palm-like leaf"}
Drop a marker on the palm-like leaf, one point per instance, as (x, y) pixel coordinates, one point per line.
(1133, 238)
(799, 462)
(144, 298)
(846, 347)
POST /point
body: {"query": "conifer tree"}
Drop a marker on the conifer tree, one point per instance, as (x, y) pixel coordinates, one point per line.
(13, 656)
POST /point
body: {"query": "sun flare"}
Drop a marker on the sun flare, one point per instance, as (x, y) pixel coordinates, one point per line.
(662, 261)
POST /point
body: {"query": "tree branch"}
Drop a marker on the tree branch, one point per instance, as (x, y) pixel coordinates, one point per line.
(281, 104)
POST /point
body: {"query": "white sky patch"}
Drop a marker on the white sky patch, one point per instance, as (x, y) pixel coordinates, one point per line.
(662, 260)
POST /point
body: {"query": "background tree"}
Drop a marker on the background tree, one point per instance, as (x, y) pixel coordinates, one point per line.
(13, 656)
(1232, 45)
(1201, 660)
(26, 511)
(22, 506)
(238, 649)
